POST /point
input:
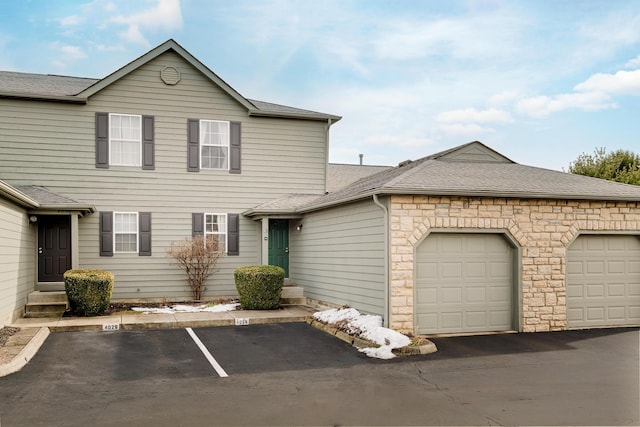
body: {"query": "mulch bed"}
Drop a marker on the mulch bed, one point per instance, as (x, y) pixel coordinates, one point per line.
(5, 333)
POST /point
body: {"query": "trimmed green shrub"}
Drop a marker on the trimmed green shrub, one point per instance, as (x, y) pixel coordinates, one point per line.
(259, 286)
(88, 291)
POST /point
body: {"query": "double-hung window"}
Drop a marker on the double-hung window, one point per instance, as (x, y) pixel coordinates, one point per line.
(214, 144)
(125, 139)
(215, 228)
(125, 232)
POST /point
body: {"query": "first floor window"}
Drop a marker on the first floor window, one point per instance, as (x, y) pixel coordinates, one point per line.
(125, 139)
(215, 227)
(125, 232)
(214, 144)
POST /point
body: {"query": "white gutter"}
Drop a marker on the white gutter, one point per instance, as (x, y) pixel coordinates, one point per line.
(387, 284)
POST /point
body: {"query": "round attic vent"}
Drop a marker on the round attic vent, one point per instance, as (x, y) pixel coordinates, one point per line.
(170, 75)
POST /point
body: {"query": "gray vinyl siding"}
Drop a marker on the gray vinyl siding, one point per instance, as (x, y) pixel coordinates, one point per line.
(53, 144)
(17, 260)
(339, 256)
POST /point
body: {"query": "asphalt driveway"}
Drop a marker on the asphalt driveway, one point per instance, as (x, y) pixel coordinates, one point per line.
(293, 374)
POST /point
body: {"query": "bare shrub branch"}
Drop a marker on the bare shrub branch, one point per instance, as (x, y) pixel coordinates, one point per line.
(197, 257)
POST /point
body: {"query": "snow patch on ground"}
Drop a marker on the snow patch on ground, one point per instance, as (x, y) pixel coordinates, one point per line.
(367, 326)
(218, 308)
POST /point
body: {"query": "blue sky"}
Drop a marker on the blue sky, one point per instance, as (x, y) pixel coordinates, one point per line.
(540, 81)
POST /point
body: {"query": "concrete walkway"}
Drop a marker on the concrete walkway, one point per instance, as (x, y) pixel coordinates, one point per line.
(21, 347)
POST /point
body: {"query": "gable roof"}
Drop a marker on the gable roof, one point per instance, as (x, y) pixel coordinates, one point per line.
(79, 90)
(452, 173)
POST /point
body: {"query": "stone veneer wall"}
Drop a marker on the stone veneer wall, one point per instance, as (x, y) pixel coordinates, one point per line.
(542, 228)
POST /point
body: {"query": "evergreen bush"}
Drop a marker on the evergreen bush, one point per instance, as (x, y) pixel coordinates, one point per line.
(88, 291)
(259, 286)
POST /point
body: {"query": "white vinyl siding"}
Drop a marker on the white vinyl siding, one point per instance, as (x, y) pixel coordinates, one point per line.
(125, 139)
(215, 228)
(214, 144)
(125, 232)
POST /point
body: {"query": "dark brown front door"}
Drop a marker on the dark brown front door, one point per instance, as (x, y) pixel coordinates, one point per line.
(54, 247)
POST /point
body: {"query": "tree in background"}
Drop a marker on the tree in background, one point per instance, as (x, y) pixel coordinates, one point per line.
(620, 166)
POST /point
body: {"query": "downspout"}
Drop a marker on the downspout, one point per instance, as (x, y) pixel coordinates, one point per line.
(387, 316)
(326, 160)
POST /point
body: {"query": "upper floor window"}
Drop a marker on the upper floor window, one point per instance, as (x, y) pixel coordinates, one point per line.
(214, 144)
(125, 139)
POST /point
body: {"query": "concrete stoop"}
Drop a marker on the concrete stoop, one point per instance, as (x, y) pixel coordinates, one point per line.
(425, 348)
(293, 295)
(42, 304)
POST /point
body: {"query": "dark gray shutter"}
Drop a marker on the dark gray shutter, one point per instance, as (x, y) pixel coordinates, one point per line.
(193, 145)
(144, 233)
(102, 140)
(148, 155)
(197, 224)
(233, 234)
(106, 233)
(234, 148)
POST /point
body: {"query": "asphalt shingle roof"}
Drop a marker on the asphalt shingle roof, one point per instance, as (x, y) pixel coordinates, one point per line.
(341, 175)
(42, 84)
(436, 175)
(44, 196)
(48, 85)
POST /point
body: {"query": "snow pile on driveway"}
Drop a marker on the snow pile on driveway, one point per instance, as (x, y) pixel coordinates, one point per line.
(218, 308)
(366, 326)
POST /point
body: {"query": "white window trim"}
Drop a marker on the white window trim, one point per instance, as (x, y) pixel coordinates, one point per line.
(226, 226)
(201, 144)
(115, 250)
(139, 140)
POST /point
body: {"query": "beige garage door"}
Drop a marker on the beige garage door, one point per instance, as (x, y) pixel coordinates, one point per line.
(603, 281)
(464, 283)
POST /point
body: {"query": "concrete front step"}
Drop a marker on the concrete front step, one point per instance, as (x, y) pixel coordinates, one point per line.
(47, 297)
(46, 304)
(293, 295)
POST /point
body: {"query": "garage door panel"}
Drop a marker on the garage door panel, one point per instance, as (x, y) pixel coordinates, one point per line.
(451, 295)
(476, 295)
(574, 291)
(426, 269)
(605, 291)
(616, 290)
(473, 283)
(427, 296)
(575, 267)
(475, 270)
(451, 270)
(451, 320)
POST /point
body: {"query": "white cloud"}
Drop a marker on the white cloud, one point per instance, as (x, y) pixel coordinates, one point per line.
(542, 106)
(633, 63)
(622, 82)
(503, 98)
(471, 115)
(166, 15)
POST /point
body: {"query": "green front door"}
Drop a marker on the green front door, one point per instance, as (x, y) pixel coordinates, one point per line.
(279, 244)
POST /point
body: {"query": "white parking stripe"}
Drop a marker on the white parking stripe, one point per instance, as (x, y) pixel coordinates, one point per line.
(206, 353)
